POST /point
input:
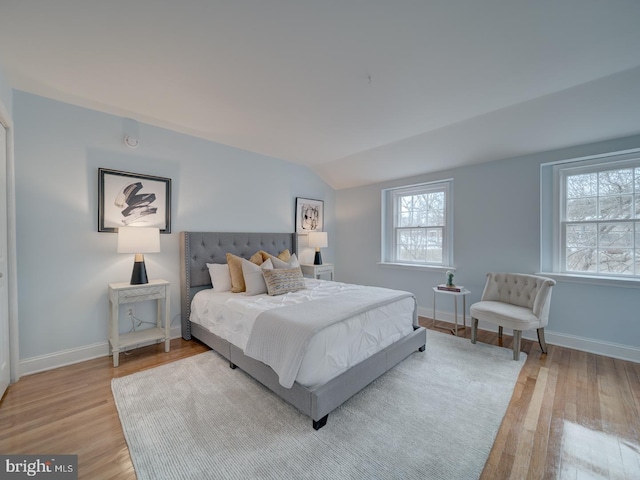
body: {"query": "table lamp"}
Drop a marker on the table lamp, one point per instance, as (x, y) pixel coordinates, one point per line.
(138, 240)
(318, 240)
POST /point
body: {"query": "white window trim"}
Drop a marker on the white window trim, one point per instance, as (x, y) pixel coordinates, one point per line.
(593, 279)
(387, 234)
(411, 266)
(559, 168)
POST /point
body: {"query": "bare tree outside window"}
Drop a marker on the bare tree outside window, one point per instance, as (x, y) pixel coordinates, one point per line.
(601, 213)
(420, 227)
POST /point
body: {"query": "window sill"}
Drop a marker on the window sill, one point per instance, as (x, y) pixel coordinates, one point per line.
(412, 266)
(592, 280)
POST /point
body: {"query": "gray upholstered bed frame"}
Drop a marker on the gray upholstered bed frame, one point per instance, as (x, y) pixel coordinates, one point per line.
(199, 248)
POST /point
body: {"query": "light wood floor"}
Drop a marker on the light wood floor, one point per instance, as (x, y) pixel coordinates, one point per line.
(572, 415)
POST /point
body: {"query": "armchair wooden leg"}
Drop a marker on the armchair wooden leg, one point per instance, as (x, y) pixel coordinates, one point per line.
(543, 344)
(474, 330)
(517, 336)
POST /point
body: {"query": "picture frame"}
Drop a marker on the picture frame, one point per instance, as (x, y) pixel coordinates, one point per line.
(128, 199)
(309, 215)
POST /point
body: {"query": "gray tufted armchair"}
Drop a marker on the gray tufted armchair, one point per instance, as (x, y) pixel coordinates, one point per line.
(517, 301)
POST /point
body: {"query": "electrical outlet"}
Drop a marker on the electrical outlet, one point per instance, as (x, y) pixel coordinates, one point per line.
(131, 311)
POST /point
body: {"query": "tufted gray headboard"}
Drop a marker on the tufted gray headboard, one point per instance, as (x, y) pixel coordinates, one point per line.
(199, 248)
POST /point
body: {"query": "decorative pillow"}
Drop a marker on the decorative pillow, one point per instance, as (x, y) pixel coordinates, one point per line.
(284, 255)
(235, 269)
(268, 265)
(220, 276)
(291, 263)
(265, 255)
(253, 279)
(283, 280)
(257, 258)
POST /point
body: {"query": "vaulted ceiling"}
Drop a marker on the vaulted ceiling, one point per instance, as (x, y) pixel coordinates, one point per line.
(361, 91)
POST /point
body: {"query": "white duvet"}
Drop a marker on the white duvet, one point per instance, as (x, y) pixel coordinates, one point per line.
(333, 350)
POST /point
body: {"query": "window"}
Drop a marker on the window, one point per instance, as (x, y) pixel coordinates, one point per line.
(417, 224)
(597, 231)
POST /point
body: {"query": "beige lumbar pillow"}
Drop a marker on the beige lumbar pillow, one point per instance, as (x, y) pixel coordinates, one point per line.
(283, 280)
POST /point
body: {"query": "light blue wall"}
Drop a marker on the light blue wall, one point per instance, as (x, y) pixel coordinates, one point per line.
(64, 264)
(496, 228)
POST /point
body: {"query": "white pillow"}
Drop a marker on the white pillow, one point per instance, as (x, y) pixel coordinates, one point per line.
(267, 265)
(253, 278)
(292, 263)
(220, 276)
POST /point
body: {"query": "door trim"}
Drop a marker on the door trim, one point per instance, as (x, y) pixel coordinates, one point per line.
(12, 281)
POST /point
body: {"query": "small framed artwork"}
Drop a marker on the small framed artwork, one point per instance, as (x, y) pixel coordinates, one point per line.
(133, 200)
(309, 215)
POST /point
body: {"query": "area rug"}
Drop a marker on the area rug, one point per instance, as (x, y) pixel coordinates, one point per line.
(434, 416)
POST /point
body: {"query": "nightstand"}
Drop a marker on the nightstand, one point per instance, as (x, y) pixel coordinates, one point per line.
(122, 293)
(315, 271)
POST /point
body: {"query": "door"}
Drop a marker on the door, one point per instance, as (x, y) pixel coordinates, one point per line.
(4, 295)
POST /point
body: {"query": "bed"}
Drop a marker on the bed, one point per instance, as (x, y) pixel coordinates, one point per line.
(315, 398)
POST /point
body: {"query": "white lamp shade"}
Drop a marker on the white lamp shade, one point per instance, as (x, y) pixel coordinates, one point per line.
(318, 239)
(138, 240)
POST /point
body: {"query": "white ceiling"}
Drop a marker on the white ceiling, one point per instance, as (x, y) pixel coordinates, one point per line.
(359, 90)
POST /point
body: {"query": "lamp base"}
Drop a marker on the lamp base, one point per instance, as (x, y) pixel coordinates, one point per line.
(139, 274)
(318, 259)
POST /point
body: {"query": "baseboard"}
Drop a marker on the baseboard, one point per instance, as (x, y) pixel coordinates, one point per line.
(589, 345)
(63, 358)
(599, 347)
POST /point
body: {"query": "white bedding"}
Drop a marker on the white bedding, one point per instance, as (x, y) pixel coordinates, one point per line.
(333, 350)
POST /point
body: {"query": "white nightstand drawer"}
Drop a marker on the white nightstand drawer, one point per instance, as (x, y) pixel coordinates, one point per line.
(140, 294)
(314, 271)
